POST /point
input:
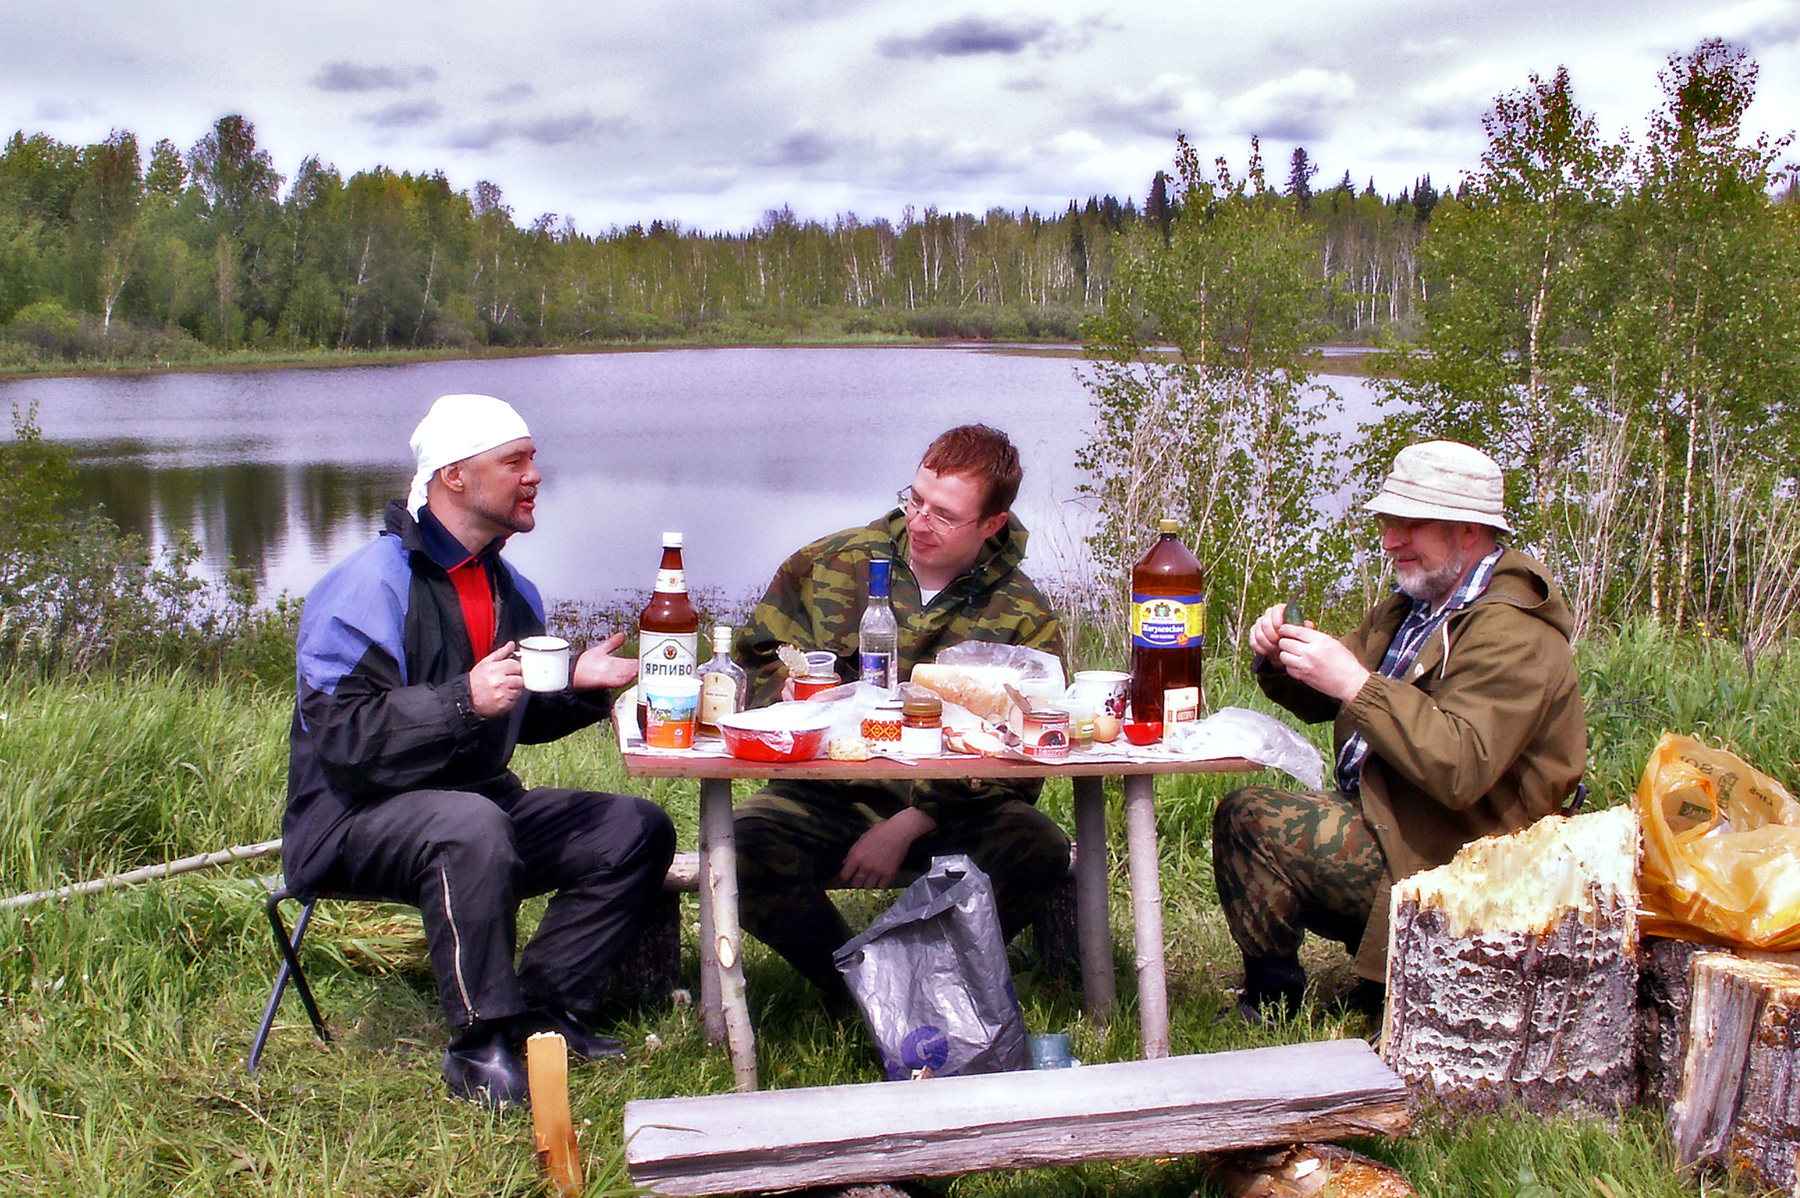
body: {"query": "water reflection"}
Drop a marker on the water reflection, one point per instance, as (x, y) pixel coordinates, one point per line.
(246, 515)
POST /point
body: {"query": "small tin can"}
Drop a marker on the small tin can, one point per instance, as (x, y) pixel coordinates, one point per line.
(1045, 734)
(812, 684)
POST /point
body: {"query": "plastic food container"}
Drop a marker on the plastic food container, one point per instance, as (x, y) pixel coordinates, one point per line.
(775, 734)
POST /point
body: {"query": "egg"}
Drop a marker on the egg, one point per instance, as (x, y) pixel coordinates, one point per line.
(1106, 728)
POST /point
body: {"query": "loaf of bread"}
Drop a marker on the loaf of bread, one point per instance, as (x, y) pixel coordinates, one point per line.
(980, 689)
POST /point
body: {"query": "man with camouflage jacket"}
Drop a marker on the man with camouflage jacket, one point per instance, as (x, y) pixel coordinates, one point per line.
(1457, 715)
(956, 550)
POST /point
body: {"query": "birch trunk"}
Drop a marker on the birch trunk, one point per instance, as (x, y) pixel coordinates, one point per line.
(1512, 971)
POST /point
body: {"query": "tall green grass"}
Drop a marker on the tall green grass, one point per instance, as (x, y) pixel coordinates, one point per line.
(125, 1017)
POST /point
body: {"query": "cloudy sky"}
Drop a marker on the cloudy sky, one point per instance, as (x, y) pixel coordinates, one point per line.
(710, 112)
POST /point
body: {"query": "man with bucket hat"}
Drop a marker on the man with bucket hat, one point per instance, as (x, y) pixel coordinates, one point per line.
(410, 704)
(1456, 714)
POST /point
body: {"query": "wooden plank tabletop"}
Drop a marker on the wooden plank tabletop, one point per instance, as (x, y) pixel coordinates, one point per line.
(681, 765)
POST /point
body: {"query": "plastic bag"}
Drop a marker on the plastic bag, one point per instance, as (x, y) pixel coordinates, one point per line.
(1721, 849)
(1039, 672)
(1240, 732)
(932, 980)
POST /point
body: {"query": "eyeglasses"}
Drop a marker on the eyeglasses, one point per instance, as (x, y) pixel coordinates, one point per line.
(933, 520)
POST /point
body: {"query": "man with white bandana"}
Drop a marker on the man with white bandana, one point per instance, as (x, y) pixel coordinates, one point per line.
(1457, 715)
(410, 704)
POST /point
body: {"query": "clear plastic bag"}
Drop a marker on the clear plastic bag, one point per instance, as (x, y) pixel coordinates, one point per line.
(1240, 732)
(1721, 849)
(932, 980)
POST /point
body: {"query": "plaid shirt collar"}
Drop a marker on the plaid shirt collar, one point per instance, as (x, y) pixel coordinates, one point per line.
(1420, 622)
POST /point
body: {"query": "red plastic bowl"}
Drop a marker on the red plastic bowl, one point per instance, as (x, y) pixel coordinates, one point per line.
(745, 740)
(1145, 732)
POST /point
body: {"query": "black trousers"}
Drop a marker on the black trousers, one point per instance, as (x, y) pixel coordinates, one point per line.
(466, 860)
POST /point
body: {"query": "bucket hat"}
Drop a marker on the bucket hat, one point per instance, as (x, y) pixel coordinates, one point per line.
(1444, 480)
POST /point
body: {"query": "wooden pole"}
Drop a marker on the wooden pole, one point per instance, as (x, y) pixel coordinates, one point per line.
(1093, 927)
(1146, 912)
(149, 873)
(719, 879)
(547, 1067)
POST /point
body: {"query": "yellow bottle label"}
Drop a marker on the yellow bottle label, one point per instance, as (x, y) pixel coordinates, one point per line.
(1168, 621)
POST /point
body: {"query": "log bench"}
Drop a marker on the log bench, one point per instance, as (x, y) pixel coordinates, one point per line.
(842, 1135)
(651, 965)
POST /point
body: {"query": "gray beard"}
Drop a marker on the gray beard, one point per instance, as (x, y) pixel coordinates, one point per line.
(1434, 587)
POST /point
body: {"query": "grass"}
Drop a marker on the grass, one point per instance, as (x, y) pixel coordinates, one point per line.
(125, 1018)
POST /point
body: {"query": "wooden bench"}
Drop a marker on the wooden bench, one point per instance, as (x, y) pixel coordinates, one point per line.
(842, 1135)
(651, 965)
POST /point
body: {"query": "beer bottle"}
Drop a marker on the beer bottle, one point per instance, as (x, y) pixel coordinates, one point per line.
(1168, 632)
(669, 629)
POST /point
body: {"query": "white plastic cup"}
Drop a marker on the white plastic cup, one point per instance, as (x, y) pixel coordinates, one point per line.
(820, 662)
(544, 662)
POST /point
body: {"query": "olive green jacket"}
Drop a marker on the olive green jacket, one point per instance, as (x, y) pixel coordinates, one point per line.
(1485, 734)
(817, 598)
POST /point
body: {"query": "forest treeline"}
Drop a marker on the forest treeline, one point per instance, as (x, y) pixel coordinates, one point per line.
(1615, 321)
(109, 251)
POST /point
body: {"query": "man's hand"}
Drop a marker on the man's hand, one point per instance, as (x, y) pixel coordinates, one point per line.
(597, 667)
(874, 860)
(1318, 660)
(1265, 634)
(496, 682)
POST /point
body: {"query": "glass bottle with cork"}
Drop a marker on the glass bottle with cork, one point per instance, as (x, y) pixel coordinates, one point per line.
(669, 629)
(1168, 632)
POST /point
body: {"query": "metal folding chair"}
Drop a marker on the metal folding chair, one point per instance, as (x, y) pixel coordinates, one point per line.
(288, 948)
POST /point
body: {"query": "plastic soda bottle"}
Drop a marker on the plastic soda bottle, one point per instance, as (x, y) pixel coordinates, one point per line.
(1168, 632)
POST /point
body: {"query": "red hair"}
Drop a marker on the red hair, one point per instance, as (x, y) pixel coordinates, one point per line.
(984, 454)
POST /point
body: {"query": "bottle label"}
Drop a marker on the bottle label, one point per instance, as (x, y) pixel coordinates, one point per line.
(668, 654)
(878, 668)
(718, 697)
(1168, 621)
(671, 582)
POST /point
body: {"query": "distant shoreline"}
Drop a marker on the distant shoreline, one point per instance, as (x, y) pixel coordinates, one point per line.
(1350, 361)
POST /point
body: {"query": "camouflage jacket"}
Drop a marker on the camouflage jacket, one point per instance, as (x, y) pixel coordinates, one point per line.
(817, 599)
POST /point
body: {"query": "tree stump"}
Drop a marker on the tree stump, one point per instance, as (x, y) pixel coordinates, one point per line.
(1513, 973)
(1739, 1100)
(1664, 999)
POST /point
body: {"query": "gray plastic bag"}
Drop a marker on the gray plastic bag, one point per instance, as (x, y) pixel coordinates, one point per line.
(932, 980)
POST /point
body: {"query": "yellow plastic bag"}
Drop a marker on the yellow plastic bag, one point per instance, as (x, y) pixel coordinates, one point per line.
(1721, 849)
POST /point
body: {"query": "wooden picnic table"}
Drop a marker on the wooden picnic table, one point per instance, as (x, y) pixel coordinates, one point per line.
(722, 1003)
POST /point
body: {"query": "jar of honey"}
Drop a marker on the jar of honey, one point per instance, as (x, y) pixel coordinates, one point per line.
(922, 728)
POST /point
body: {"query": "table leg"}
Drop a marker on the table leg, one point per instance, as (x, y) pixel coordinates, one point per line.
(712, 1013)
(718, 879)
(1146, 912)
(1093, 928)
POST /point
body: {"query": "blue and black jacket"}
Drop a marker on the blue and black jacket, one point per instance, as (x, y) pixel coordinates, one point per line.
(384, 704)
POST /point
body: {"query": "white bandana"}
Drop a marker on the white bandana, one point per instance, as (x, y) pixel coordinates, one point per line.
(458, 427)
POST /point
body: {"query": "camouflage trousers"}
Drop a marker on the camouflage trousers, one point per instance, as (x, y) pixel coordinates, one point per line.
(792, 838)
(1291, 862)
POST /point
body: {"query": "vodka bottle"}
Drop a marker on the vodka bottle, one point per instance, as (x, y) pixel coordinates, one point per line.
(877, 637)
(723, 683)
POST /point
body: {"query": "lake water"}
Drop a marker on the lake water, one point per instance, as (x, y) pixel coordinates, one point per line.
(751, 452)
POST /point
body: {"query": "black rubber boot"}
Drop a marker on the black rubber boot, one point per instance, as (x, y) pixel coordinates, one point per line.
(584, 1044)
(481, 1066)
(1273, 986)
